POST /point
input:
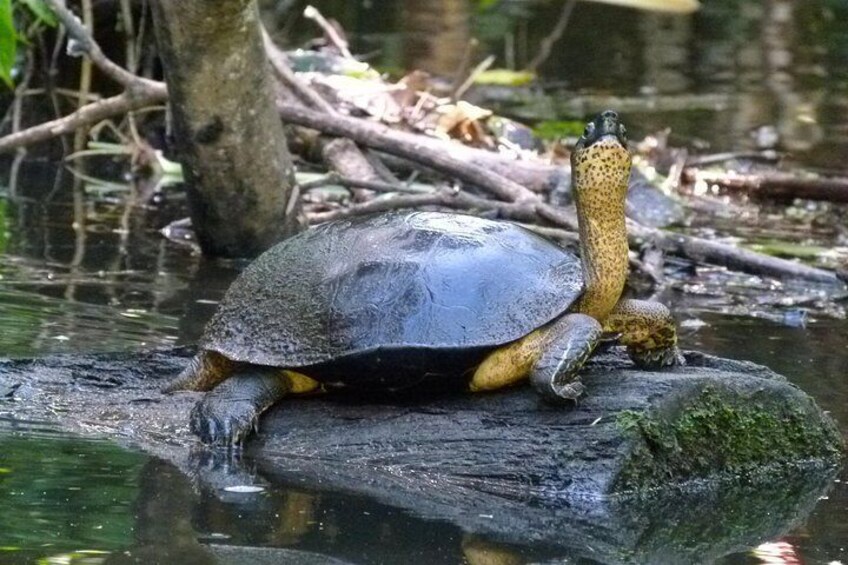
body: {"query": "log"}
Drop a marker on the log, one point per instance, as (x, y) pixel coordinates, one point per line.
(611, 442)
(504, 466)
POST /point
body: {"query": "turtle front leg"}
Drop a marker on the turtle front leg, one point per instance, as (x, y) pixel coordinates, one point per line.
(227, 414)
(648, 331)
(551, 356)
(570, 341)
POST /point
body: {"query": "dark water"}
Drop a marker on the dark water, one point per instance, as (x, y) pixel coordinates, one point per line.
(86, 273)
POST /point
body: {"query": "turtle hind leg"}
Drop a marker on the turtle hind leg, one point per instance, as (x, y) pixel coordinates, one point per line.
(648, 331)
(204, 371)
(227, 414)
(570, 340)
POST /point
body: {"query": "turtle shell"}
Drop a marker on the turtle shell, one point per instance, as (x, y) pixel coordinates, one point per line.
(409, 282)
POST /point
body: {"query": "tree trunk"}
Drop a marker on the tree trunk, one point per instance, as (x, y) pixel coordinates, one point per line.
(228, 136)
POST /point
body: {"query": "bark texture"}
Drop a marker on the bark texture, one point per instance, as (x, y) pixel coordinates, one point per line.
(228, 136)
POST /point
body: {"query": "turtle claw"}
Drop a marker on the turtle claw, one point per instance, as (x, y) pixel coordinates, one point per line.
(572, 391)
(222, 421)
(653, 359)
(559, 394)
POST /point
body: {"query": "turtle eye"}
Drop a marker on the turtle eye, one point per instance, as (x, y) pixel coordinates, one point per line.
(590, 129)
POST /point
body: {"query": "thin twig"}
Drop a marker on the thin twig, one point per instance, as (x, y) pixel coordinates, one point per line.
(548, 42)
(469, 82)
(85, 75)
(312, 13)
(280, 65)
(334, 178)
(87, 44)
(464, 65)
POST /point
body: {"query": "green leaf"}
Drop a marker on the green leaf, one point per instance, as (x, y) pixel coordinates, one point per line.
(41, 11)
(504, 77)
(557, 129)
(8, 42)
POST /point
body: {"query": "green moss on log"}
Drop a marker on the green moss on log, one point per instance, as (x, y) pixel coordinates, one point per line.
(720, 433)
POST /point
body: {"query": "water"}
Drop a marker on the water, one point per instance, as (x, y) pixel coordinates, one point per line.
(79, 273)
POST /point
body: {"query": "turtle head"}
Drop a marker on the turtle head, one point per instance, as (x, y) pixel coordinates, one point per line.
(600, 170)
(600, 162)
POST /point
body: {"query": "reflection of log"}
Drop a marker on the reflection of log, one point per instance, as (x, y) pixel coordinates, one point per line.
(503, 465)
(776, 185)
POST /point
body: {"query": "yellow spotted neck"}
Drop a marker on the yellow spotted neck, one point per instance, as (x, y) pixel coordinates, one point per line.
(600, 176)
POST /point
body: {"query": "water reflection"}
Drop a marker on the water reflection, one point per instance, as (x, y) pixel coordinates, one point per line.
(61, 495)
(93, 273)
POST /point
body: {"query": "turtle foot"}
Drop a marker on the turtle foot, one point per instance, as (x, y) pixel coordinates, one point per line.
(230, 412)
(224, 422)
(653, 359)
(571, 340)
(555, 393)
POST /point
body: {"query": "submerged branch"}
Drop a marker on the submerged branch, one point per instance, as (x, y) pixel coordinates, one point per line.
(733, 258)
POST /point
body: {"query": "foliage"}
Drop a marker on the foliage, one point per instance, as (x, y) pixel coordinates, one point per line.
(40, 10)
(8, 42)
(9, 37)
(504, 77)
(557, 129)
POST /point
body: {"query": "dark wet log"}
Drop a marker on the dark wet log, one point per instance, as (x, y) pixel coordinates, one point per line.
(777, 185)
(628, 434)
(504, 465)
(238, 170)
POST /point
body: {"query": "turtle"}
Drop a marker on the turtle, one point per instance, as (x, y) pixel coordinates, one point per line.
(395, 300)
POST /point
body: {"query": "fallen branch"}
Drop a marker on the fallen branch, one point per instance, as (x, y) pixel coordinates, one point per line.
(85, 43)
(733, 258)
(139, 92)
(481, 169)
(776, 184)
(87, 115)
(341, 155)
(410, 146)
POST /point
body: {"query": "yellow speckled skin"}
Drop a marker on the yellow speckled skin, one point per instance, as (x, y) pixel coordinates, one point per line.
(600, 174)
(648, 331)
(509, 364)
